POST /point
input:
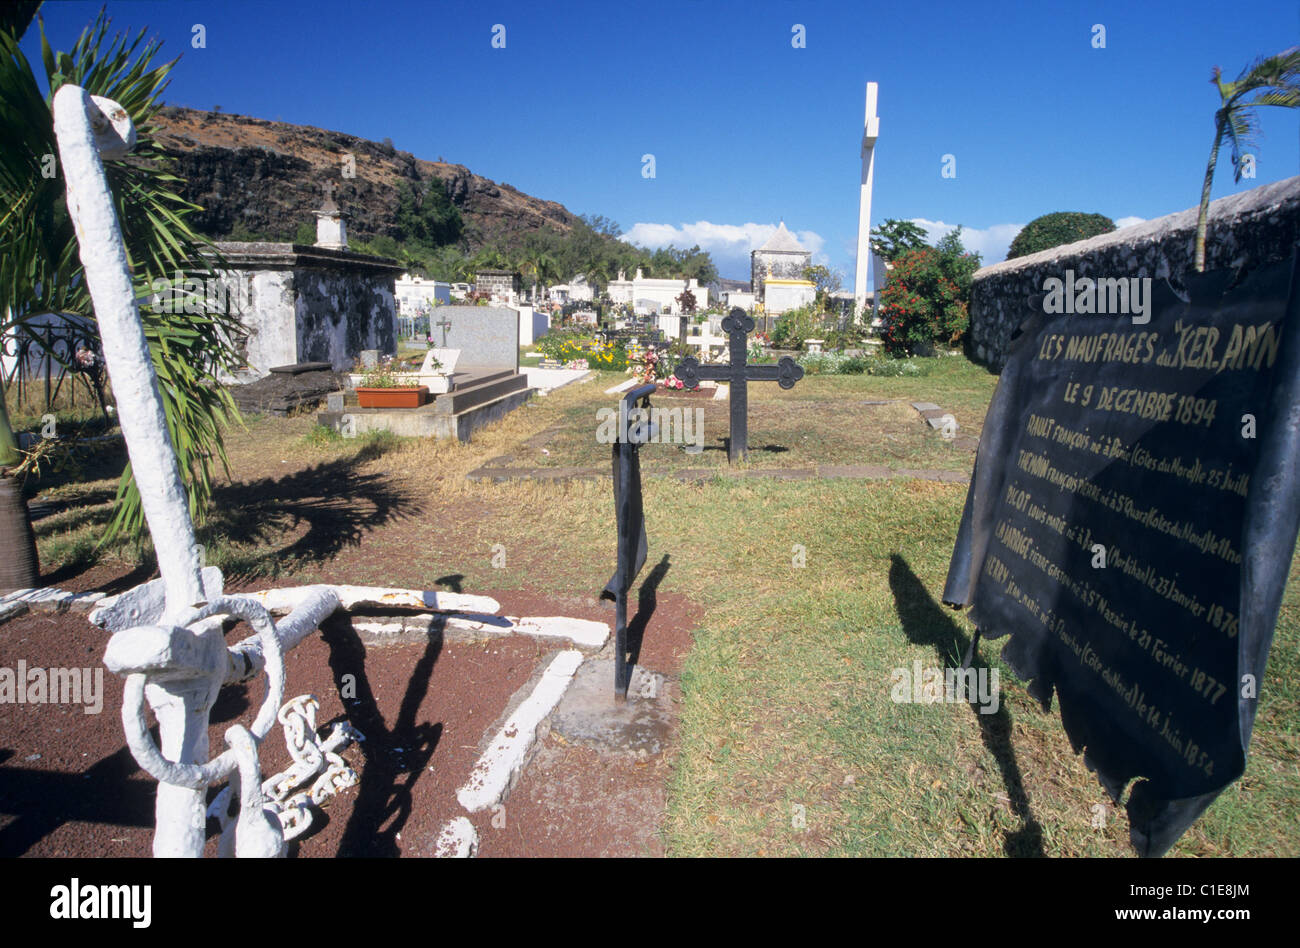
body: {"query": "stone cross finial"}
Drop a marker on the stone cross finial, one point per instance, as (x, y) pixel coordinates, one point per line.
(329, 206)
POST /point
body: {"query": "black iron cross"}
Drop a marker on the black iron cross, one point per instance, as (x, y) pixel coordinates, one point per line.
(738, 325)
(445, 323)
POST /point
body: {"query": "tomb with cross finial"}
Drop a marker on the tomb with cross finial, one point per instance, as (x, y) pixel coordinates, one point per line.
(331, 231)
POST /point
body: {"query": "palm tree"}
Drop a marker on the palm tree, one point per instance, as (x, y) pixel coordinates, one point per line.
(40, 270)
(1276, 79)
(539, 266)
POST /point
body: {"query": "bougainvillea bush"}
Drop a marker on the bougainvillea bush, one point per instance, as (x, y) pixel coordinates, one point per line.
(926, 301)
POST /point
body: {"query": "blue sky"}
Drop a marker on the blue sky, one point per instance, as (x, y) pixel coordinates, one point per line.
(745, 128)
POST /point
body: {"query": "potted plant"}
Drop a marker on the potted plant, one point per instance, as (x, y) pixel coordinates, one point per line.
(380, 388)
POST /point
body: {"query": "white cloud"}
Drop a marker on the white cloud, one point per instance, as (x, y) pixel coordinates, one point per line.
(730, 244)
(991, 243)
(1128, 222)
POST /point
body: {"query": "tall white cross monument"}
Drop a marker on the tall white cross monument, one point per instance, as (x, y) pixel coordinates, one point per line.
(870, 130)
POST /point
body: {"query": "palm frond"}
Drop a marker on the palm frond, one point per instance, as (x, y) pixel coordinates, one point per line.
(40, 270)
(1279, 71)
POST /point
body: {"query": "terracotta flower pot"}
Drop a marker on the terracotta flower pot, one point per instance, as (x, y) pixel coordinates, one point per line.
(406, 397)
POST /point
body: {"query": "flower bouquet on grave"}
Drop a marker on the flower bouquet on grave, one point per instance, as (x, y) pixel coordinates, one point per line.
(380, 387)
(646, 369)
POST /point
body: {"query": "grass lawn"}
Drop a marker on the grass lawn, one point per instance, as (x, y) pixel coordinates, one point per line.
(790, 743)
(824, 419)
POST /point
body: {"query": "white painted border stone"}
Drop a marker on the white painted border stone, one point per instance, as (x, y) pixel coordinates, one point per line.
(585, 633)
(458, 840)
(285, 600)
(505, 755)
(582, 632)
(53, 599)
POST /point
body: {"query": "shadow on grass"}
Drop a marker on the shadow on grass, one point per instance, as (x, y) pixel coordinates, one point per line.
(64, 514)
(383, 802)
(926, 623)
(338, 504)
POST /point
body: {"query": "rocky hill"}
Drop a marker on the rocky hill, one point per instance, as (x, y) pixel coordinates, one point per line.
(266, 178)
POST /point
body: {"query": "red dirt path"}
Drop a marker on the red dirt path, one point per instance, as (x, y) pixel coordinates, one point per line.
(424, 708)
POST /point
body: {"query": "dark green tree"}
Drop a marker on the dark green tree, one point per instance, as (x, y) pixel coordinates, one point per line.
(895, 237)
(828, 281)
(431, 220)
(1057, 229)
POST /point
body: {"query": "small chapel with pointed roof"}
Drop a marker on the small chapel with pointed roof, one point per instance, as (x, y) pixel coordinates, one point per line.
(780, 262)
(781, 258)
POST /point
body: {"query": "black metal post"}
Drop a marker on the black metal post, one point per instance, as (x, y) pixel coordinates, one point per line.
(631, 553)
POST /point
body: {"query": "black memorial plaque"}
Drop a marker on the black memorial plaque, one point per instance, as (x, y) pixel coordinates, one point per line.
(1169, 446)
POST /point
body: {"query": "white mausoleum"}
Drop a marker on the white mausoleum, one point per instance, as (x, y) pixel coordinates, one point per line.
(411, 291)
(647, 295)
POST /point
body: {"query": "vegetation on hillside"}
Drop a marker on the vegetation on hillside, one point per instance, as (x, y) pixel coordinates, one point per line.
(592, 248)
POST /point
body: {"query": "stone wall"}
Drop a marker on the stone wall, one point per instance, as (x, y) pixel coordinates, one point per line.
(1245, 230)
(497, 283)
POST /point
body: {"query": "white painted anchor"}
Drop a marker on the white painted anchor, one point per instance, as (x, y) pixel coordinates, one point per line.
(174, 657)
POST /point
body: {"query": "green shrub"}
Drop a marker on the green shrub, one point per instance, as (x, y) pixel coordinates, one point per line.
(898, 368)
(567, 345)
(926, 301)
(794, 327)
(1056, 230)
(853, 365)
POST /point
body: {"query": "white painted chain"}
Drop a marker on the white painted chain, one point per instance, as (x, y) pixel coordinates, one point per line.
(311, 756)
